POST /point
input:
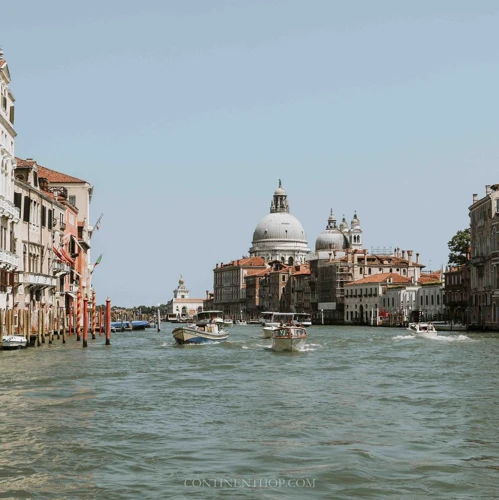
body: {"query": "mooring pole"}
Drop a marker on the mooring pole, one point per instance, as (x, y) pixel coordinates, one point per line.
(85, 321)
(108, 321)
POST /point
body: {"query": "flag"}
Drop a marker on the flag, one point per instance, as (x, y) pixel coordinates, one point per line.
(97, 262)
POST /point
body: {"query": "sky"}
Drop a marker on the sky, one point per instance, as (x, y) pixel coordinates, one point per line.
(184, 115)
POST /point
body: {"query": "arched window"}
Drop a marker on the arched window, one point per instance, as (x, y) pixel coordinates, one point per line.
(290, 261)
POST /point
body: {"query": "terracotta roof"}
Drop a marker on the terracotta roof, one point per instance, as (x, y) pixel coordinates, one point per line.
(379, 260)
(53, 176)
(47, 173)
(381, 278)
(25, 163)
(189, 300)
(246, 261)
(430, 278)
(260, 272)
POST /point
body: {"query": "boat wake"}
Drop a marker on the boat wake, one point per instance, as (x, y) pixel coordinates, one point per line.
(443, 338)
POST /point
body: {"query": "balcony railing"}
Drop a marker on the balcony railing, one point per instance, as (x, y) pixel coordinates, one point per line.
(8, 260)
(37, 279)
(61, 267)
(8, 209)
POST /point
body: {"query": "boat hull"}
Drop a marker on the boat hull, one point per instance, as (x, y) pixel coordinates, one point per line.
(267, 331)
(288, 344)
(188, 335)
(11, 342)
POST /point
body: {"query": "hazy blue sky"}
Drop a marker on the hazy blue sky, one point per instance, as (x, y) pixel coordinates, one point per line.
(184, 114)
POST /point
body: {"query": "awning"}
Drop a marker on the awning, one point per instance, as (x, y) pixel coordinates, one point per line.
(72, 295)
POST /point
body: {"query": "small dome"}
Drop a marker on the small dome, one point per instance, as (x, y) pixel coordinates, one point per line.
(355, 221)
(280, 192)
(331, 239)
(344, 224)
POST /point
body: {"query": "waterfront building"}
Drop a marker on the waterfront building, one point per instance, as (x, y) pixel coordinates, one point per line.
(430, 296)
(296, 293)
(280, 235)
(457, 292)
(364, 298)
(183, 306)
(253, 306)
(229, 286)
(79, 194)
(329, 276)
(41, 214)
(484, 275)
(399, 304)
(9, 213)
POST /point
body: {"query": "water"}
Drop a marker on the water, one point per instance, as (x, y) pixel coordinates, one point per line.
(361, 413)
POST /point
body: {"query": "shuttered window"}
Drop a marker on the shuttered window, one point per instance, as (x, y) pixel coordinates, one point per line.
(50, 219)
(18, 199)
(27, 204)
(44, 216)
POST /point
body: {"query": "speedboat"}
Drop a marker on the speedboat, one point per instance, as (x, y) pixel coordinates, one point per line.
(422, 329)
(272, 320)
(241, 322)
(206, 329)
(303, 319)
(289, 338)
(13, 342)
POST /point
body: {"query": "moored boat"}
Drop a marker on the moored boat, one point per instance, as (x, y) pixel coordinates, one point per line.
(289, 338)
(206, 329)
(139, 325)
(13, 342)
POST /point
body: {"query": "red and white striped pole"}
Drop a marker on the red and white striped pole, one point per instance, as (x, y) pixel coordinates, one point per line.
(108, 321)
(94, 316)
(78, 314)
(85, 320)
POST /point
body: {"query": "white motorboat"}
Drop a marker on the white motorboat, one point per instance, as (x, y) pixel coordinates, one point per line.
(303, 319)
(272, 320)
(241, 322)
(289, 338)
(207, 329)
(13, 342)
(422, 329)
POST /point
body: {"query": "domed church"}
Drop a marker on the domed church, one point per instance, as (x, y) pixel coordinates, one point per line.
(338, 239)
(280, 235)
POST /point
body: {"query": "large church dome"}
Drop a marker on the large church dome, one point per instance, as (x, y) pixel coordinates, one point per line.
(279, 226)
(331, 238)
(280, 235)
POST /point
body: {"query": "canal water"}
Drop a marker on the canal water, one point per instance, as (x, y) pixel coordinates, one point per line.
(361, 413)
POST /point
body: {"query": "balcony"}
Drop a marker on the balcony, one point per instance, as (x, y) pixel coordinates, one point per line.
(63, 226)
(59, 191)
(37, 279)
(61, 268)
(8, 260)
(8, 209)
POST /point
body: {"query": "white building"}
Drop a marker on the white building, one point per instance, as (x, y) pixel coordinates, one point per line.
(182, 306)
(9, 213)
(364, 297)
(280, 235)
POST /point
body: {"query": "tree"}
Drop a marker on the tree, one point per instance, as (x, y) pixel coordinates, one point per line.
(458, 246)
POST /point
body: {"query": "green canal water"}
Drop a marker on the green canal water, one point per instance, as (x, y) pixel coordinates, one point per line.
(361, 413)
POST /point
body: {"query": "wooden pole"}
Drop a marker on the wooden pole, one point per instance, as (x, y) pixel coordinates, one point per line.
(85, 320)
(51, 325)
(42, 316)
(100, 321)
(70, 320)
(78, 314)
(158, 320)
(39, 322)
(108, 321)
(64, 326)
(7, 321)
(94, 316)
(28, 326)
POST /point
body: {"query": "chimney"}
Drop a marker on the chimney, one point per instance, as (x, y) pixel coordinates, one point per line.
(207, 294)
(216, 267)
(487, 189)
(475, 197)
(409, 257)
(403, 254)
(417, 258)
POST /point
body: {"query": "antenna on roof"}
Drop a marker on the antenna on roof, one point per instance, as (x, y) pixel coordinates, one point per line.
(95, 227)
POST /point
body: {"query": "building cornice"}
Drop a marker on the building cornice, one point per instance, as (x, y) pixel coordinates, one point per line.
(8, 126)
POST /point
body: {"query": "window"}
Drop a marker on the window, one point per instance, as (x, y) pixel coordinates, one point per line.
(283, 278)
(27, 206)
(72, 200)
(44, 216)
